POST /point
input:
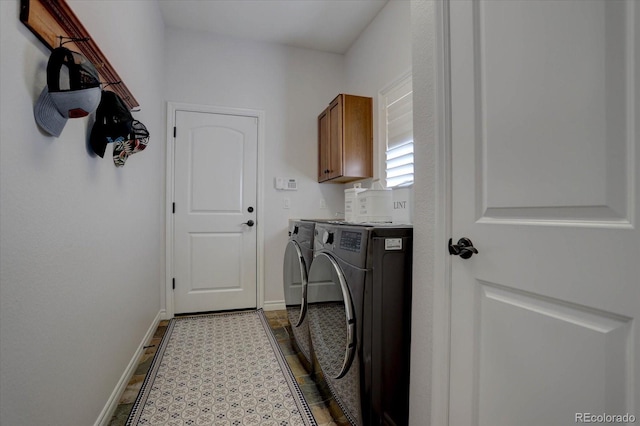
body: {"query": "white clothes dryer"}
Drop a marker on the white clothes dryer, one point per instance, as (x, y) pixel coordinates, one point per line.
(359, 315)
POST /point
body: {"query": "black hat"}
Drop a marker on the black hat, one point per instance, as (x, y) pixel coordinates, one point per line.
(138, 140)
(72, 90)
(113, 122)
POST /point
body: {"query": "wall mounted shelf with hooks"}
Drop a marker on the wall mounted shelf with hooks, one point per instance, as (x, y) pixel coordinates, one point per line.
(51, 19)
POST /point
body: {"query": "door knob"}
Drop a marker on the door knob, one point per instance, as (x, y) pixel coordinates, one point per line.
(464, 248)
(249, 223)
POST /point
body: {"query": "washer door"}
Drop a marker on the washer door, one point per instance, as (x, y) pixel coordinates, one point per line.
(331, 319)
(295, 283)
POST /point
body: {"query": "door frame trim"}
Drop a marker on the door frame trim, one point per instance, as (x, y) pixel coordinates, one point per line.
(259, 115)
(431, 324)
(444, 218)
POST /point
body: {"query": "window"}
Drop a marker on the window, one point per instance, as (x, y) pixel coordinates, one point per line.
(397, 122)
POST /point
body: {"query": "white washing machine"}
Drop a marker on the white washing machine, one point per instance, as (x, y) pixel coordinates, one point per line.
(298, 256)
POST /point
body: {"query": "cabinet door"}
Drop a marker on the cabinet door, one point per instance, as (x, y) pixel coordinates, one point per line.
(335, 138)
(323, 146)
(357, 138)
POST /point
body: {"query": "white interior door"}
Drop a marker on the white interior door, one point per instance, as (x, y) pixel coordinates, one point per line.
(545, 119)
(215, 212)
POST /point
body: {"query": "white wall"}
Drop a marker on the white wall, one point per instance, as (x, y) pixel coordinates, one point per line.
(292, 86)
(81, 242)
(380, 56)
(401, 39)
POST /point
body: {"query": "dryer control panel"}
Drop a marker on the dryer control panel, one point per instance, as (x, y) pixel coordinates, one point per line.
(351, 240)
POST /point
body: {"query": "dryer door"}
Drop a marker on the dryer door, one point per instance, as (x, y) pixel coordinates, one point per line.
(331, 320)
(295, 283)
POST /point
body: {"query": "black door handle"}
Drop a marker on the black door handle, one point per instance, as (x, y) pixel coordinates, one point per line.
(464, 248)
(249, 222)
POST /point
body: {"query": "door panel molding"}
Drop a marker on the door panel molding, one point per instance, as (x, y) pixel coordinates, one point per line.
(259, 115)
(200, 198)
(601, 105)
(585, 216)
(591, 355)
(583, 316)
(204, 242)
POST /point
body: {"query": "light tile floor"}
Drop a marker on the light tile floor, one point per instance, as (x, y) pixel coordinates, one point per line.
(323, 407)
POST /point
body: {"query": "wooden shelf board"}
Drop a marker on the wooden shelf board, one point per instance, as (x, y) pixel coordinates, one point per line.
(50, 19)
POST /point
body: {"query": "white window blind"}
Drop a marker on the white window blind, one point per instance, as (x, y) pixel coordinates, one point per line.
(398, 105)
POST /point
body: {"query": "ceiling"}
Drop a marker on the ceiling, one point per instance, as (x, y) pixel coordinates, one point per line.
(327, 25)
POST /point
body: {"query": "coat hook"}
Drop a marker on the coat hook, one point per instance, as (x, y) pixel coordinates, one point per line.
(72, 39)
(108, 83)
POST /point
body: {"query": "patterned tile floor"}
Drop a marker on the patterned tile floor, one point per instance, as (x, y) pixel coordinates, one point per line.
(125, 405)
(324, 408)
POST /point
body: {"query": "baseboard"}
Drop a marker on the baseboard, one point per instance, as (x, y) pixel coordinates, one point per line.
(274, 305)
(107, 412)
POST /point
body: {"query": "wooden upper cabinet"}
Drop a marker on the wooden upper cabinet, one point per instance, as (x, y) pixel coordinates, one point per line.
(345, 140)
